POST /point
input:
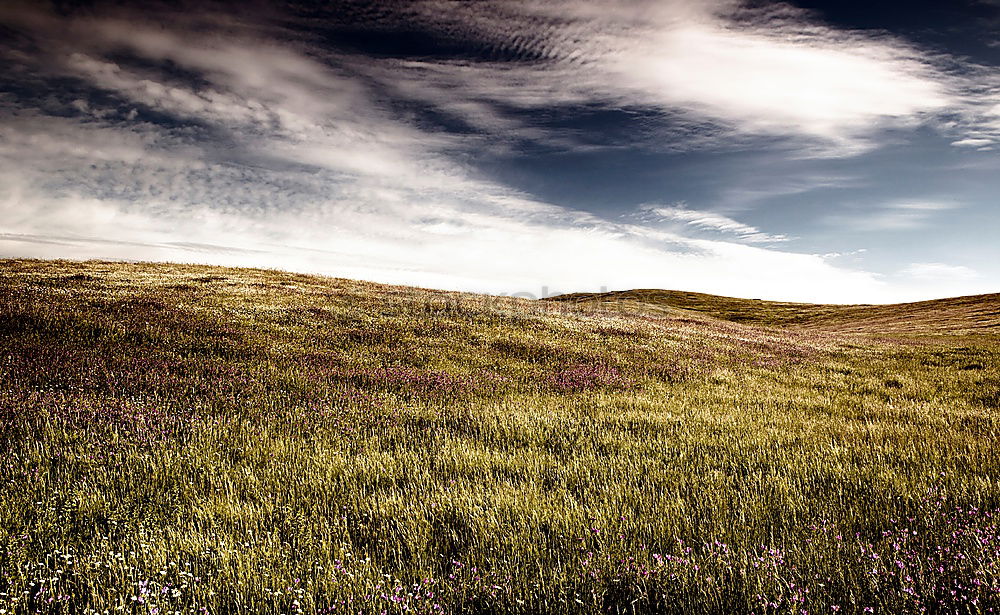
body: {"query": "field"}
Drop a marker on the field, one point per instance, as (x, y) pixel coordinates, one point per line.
(184, 439)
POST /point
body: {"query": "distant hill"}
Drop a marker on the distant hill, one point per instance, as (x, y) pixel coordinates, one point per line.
(973, 314)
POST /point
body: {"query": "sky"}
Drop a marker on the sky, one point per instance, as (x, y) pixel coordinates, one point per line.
(827, 151)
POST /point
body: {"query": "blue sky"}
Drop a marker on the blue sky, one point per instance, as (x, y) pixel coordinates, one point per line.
(819, 151)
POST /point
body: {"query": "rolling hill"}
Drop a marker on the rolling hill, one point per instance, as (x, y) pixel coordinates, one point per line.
(212, 440)
(973, 314)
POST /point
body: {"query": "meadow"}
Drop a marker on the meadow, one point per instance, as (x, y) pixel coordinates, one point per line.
(188, 439)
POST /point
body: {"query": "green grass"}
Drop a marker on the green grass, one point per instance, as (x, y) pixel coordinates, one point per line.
(199, 439)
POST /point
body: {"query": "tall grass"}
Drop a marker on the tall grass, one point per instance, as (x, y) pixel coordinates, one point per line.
(207, 440)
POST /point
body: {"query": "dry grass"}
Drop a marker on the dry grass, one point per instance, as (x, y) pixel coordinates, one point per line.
(197, 439)
(979, 314)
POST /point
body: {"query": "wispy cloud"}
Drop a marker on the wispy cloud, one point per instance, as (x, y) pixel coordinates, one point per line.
(710, 221)
(893, 216)
(770, 70)
(978, 123)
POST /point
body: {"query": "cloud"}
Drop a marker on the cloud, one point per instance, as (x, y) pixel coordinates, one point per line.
(852, 253)
(705, 220)
(978, 122)
(939, 272)
(981, 143)
(904, 215)
(220, 141)
(711, 71)
(939, 280)
(383, 233)
(771, 71)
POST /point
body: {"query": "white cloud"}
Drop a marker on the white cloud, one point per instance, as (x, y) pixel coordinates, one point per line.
(922, 205)
(939, 272)
(490, 253)
(815, 82)
(893, 216)
(940, 280)
(848, 254)
(448, 230)
(974, 142)
(980, 126)
(768, 71)
(706, 220)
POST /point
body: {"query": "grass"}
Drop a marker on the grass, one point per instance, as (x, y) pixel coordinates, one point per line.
(976, 315)
(208, 440)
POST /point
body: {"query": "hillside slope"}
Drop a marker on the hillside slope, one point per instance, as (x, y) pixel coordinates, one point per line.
(211, 440)
(973, 314)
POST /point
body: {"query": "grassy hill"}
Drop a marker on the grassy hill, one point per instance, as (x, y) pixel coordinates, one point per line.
(209, 440)
(979, 314)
